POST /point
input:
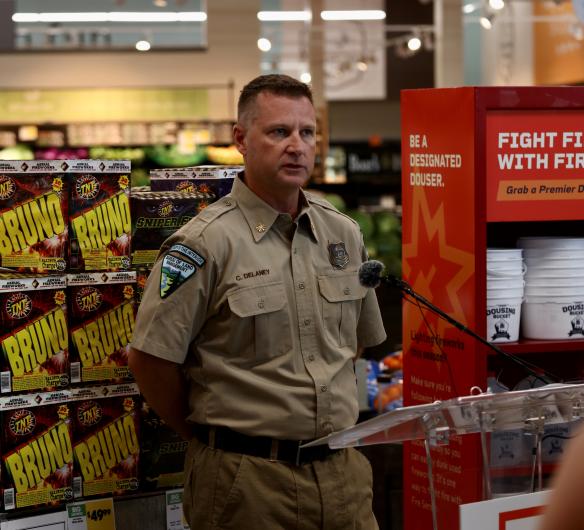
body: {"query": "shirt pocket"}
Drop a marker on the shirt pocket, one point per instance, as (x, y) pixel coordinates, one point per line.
(341, 296)
(261, 322)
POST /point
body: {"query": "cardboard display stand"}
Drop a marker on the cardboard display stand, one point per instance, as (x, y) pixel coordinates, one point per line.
(481, 168)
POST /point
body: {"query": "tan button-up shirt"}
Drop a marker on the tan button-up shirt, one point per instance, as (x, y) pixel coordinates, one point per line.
(266, 317)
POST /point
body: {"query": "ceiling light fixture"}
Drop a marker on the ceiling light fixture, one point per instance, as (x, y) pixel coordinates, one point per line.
(364, 14)
(486, 21)
(468, 9)
(284, 16)
(497, 5)
(113, 16)
(414, 43)
(305, 77)
(264, 44)
(143, 46)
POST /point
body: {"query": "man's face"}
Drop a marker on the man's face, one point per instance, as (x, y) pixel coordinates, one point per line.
(277, 140)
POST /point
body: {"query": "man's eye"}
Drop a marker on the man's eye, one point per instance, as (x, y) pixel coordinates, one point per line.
(308, 133)
(280, 131)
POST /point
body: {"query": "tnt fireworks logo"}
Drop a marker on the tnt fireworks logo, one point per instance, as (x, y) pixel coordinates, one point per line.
(87, 187)
(22, 423)
(88, 299)
(18, 306)
(186, 186)
(165, 208)
(89, 413)
(7, 187)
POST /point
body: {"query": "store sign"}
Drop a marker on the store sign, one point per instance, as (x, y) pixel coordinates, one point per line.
(103, 105)
(535, 165)
(372, 164)
(516, 512)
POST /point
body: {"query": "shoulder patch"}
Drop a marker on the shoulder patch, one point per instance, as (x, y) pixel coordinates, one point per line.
(189, 253)
(173, 274)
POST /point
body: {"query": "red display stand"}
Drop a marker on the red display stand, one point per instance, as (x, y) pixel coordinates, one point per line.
(481, 167)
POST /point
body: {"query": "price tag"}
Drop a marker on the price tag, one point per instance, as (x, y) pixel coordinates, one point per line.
(97, 514)
(175, 519)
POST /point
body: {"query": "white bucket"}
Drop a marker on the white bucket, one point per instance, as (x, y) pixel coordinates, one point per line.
(497, 294)
(513, 265)
(503, 319)
(551, 242)
(512, 282)
(502, 254)
(573, 290)
(550, 263)
(553, 273)
(555, 281)
(554, 253)
(552, 318)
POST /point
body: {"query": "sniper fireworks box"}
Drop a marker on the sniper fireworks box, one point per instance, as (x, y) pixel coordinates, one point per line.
(101, 321)
(157, 215)
(33, 216)
(37, 450)
(162, 455)
(34, 334)
(217, 180)
(99, 214)
(106, 446)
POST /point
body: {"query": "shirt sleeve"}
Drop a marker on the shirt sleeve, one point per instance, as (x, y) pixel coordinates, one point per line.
(370, 329)
(175, 299)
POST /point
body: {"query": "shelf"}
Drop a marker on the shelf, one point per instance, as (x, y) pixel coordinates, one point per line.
(539, 346)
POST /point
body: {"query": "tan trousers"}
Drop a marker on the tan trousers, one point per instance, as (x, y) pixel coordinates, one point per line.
(238, 492)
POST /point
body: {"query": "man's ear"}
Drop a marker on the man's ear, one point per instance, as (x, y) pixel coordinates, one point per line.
(239, 138)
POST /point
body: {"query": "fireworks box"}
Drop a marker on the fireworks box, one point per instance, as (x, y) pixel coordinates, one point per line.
(106, 444)
(101, 320)
(217, 180)
(142, 274)
(34, 333)
(156, 216)
(162, 455)
(37, 450)
(33, 216)
(99, 214)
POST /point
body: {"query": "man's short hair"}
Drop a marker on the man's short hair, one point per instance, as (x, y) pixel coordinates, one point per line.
(278, 84)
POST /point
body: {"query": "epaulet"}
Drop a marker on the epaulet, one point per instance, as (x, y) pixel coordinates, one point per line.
(212, 212)
(327, 205)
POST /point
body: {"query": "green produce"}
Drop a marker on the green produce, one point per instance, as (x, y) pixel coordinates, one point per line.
(171, 156)
(337, 201)
(365, 222)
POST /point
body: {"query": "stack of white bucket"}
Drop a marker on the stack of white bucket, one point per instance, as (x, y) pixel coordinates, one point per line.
(554, 288)
(505, 270)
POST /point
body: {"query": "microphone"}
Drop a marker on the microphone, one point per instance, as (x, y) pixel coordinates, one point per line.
(371, 275)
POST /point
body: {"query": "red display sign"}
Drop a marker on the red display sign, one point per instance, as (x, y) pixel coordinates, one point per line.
(535, 165)
(440, 362)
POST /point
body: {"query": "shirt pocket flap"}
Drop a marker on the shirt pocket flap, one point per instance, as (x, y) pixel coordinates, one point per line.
(251, 301)
(341, 287)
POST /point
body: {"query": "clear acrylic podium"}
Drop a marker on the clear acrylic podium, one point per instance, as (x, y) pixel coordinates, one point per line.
(528, 410)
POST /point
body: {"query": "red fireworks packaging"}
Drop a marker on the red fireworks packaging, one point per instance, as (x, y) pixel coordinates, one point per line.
(37, 450)
(33, 216)
(163, 453)
(34, 333)
(101, 320)
(99, 212)
(156, 216)
(106, 445)
(142, 274)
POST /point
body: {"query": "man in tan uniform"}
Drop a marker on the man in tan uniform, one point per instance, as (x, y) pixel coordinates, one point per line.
(248, 330)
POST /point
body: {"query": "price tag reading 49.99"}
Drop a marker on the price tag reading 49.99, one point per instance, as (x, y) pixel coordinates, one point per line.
(96, 514)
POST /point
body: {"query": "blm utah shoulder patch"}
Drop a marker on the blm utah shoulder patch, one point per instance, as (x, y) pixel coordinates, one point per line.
(174, 273)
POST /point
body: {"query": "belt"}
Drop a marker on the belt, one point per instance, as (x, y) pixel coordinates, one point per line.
(288, 451)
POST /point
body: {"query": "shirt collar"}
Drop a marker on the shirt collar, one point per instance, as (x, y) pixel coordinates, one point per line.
(260, 216)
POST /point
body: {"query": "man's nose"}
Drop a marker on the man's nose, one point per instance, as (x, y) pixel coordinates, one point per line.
(294, 143)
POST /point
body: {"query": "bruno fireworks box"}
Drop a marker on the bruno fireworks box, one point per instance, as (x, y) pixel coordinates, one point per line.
(34, 334)
(37, 450)
(157, 215)
(33, 216)
(99, 214)
(162, 455)
(106, 444)
(101, 321)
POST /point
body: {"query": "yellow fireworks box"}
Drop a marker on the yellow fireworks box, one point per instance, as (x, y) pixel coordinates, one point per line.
(34, 336)
(99, 214)
(33, 216)
(106, 443)
(37, 450)
(101, 322)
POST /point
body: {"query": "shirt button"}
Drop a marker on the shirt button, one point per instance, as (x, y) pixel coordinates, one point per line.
(323, 388)
(228, 203)
(261, 305)
(301, 285)
(347, 290)
(306, 321)
(311, 357)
